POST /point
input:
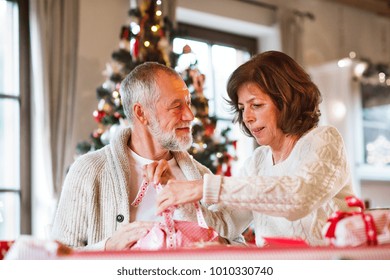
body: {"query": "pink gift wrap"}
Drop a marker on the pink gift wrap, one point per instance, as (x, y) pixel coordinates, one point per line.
(187, 234)
(173, 234)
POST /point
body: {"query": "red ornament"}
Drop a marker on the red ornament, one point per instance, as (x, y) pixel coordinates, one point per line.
(234, 143)
(99, 115)
(125, 33)
(209, 130)
(228, 171)
(136, 48)
(228, 157)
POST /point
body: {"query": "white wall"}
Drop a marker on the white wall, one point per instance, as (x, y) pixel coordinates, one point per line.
(376, 192)
(100, 24)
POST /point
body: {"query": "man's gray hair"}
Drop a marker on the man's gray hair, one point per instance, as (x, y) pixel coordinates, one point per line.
(140, 86)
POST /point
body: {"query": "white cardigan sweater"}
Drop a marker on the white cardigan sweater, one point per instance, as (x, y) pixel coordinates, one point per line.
(95, 198)
(295, 197)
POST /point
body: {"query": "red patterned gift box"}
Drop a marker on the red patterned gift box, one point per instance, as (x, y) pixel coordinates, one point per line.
(356, 228)
(4, 247)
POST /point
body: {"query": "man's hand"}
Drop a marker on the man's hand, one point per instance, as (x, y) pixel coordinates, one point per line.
(158, 172)
(128, 235)
(179, 192)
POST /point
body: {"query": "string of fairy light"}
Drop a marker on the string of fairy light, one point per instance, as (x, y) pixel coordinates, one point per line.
(135, 27)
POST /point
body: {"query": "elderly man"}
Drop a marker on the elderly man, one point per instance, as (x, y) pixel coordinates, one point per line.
(94, 211)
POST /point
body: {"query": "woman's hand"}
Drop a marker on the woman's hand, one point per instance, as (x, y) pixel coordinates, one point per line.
(179, 192)
(158, 172)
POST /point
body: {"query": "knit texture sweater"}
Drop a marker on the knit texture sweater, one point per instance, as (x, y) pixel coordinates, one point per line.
(294, 198)
(94, 201)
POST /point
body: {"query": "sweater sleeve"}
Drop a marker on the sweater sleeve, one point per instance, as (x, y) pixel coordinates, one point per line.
(211, 188)
(71, 222)
(229, 223)
(318, 171)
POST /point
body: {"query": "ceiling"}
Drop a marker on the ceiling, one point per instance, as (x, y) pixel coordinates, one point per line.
(379, 7)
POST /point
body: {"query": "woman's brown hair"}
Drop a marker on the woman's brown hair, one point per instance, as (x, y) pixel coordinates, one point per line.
(288, 85)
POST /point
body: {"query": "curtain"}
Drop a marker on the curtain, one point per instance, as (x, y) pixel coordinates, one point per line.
(54, 37)
(291, 28)
(169, 10)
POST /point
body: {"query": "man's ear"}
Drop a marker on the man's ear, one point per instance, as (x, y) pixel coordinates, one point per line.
(139, 114)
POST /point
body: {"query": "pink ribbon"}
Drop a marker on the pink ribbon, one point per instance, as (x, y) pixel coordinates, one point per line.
(370, 228)
(168, 223)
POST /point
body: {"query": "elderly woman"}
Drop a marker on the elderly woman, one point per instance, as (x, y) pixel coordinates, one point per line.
(298, 176)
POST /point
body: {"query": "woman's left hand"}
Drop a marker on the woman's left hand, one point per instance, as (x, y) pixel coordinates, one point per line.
(179, 192)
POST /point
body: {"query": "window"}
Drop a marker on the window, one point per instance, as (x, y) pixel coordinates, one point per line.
(218, 54)
(9, 122)
(376, 124)
(374, 91)
(12, 118)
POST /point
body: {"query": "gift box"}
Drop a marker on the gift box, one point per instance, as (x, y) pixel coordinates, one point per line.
(356, 228)
(182, 235)
(173, 234)
(4, 247)
(28, 248)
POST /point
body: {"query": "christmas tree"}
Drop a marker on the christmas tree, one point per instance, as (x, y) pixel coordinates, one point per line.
(148, 37)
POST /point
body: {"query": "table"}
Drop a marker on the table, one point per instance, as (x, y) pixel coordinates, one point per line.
(380, 252)
(30, 248)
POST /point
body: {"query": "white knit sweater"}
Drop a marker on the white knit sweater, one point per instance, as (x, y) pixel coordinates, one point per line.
(295, 197)
(95, 193)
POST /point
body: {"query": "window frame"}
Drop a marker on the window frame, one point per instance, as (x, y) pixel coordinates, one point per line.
(216, 37)
(212, 36)
(367, 172)
(25, 211)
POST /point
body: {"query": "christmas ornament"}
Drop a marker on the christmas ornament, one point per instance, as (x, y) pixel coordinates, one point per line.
(98, 115)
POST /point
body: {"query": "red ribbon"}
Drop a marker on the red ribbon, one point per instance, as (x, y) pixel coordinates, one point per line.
(352, 201)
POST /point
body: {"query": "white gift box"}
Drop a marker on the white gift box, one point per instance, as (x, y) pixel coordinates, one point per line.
(353, 231)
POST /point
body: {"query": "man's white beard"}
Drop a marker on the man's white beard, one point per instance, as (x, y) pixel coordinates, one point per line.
(169, 140)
